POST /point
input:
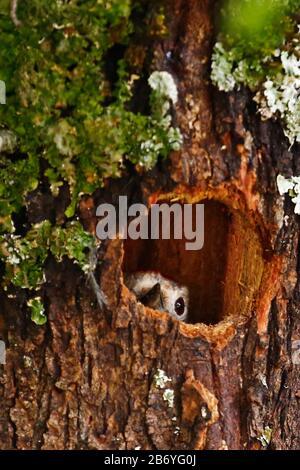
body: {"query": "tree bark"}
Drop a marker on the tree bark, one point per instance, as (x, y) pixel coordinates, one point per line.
(87, 379)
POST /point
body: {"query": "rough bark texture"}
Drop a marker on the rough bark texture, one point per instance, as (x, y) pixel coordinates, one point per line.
(87, 378)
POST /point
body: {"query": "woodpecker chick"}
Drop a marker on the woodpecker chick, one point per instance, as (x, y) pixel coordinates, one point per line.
(155, 291)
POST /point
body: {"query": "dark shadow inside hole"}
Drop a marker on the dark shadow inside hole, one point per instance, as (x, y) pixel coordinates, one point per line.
(202, 271)
(223, 277)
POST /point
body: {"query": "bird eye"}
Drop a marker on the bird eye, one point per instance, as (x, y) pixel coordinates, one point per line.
(179, 306)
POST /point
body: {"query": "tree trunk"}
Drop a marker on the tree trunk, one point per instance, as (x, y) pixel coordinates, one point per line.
(89, 378)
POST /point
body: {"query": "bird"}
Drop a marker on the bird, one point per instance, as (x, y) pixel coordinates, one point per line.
(154, 290)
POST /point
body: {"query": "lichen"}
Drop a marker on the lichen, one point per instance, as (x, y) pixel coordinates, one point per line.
(265, 437)
(204, 412)
(228, 70)
(163, 84)
(68, 112)
(161, 379)
(259, 47)
(222, 68)
(290, 186)
(279, 95)
(168, 396)
(37, 311)
(25, 257)
(69, 119)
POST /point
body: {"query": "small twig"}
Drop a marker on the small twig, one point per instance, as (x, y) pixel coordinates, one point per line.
(101, 298)
(13, 13)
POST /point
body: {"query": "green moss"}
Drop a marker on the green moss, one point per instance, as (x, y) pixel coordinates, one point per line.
(250, 31)
(25, 257)
(254, 28)
(37, 311)
(72, 242)
(73, 122)
(58, 95)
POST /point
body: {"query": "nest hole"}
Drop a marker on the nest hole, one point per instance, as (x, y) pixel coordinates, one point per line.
(223, 277)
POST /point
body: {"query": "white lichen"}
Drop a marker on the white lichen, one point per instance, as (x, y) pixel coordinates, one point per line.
(163, 83)
(284, 185)
(290, 186)
(229, 71)
(13, 259)
(221, 68)
(275, 79)
(204, 412)
(279, 97)
(160, 379)
(169, 396)
(290, 64)
(164, 93)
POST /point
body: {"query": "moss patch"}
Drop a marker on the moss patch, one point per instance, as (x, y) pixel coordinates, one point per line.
(71, 70)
